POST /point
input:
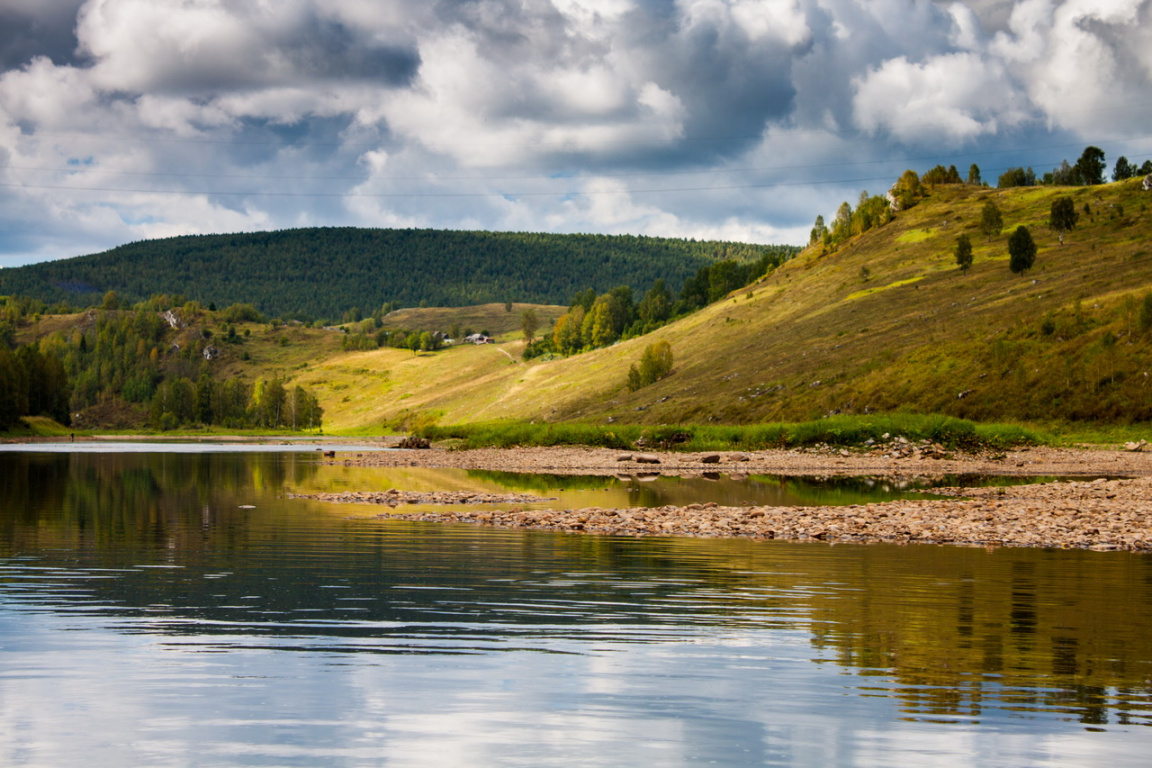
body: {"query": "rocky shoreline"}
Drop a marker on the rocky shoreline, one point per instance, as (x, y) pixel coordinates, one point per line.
(898, 460)
(1112, 511)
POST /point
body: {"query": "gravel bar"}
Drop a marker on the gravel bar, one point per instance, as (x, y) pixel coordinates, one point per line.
(1111, 511)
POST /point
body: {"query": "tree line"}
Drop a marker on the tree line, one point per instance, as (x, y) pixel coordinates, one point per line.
(233, 403)
(136, 357)
(594, 321)
(1088, 170)
(877, 210)
(31, 384)
(318, 274)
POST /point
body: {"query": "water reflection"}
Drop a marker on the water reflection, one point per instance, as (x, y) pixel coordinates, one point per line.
(110, 500)
(653, 489)
(174, 610)
(645, 489)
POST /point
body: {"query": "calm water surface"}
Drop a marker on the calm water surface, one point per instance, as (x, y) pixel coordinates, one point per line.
(173, 609)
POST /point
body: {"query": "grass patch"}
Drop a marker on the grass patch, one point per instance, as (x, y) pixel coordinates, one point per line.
(840, 431)
(38, 426)
(522, 434)
(1098, 434)
(915, 236)
(870, 291)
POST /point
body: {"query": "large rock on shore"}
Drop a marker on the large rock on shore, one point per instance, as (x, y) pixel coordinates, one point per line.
(412, 442)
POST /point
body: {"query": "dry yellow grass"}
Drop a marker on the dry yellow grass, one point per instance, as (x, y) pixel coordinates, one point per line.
(817, 337)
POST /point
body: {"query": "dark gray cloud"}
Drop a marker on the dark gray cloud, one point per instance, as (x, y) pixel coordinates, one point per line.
(30, 28)
(327, 49)
(732, 84)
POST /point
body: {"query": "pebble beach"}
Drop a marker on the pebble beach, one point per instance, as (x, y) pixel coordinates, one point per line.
(1098, 499)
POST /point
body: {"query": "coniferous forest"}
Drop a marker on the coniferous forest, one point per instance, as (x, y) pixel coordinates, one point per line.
(311, 274)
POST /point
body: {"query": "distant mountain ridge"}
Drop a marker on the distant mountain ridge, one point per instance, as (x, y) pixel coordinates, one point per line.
(322, 272)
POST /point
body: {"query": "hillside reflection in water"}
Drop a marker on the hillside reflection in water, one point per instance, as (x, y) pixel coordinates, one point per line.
(163, 609)
(643, 489)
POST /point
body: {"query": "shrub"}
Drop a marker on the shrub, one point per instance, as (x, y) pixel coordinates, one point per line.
(241, 313)
(655, 363)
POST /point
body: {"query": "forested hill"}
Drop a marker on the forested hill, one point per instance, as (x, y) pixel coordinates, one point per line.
(321, 273)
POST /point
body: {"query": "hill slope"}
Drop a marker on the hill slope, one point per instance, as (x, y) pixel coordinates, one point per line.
(320, 273)
(821, 335)
(887, 322)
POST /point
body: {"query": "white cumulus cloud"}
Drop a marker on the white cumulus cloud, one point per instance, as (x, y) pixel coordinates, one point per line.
(120, 119)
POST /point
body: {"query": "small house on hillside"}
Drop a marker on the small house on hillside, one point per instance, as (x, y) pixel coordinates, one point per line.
(477, 338)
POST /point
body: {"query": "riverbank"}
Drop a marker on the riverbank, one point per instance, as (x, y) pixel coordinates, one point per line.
(894, 460)
(1100, 515)
(1110, 509)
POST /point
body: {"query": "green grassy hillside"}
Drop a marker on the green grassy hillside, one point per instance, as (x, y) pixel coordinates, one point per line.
(887, 322)
(321, 273)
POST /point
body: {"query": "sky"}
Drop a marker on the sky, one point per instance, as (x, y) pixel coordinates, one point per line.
(126, 120)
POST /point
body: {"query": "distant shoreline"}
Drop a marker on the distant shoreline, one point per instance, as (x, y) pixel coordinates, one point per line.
(325, 440)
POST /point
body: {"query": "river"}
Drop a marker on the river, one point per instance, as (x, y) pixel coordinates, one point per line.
(168, 608)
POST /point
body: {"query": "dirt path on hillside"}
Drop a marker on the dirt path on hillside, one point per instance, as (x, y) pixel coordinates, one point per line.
(1109, 506)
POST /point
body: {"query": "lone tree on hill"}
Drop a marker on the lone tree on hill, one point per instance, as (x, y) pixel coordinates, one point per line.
(1021, 251)
(529, 324)
(991, 222)
(1063, 216)
(974, 174)
(1090, 166)
(655, 364)
(964, 252)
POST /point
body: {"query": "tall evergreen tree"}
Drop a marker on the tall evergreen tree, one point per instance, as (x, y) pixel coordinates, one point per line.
(1021, 251)
(1090, 166)
(1062, 216)
(1123, 170)
(964, 252)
